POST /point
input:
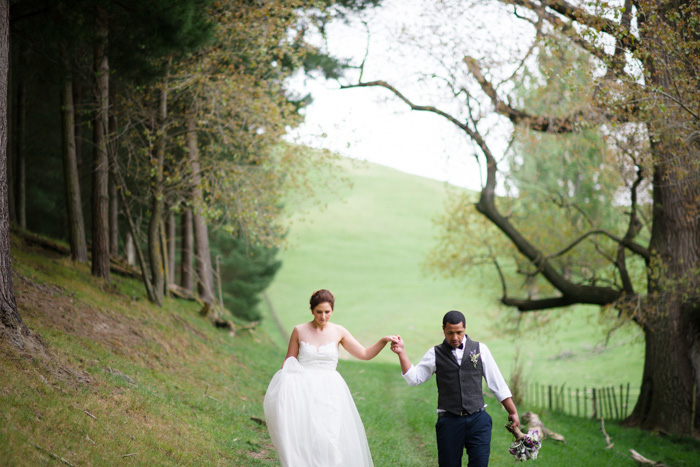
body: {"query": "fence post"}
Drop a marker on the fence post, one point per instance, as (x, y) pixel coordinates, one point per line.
(612, 390)
(600, 393)
(595, 405)
(605, 402)
(622, 406)
(578, 407)
(585, 401)
(550, 397)
(544, 399)
(627, 400)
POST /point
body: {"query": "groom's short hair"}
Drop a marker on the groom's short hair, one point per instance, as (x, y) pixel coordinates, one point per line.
(454, 317)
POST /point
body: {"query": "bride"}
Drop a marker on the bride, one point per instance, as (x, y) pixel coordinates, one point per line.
(310, 414)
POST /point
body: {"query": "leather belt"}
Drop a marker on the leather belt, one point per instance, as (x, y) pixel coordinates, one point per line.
(461, 414)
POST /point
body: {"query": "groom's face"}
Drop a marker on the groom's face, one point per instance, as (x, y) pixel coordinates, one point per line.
(454, 333)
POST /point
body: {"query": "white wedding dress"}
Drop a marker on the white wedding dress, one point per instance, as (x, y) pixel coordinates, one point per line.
(310, 414)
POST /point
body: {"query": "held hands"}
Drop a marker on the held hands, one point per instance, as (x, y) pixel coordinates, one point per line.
(390, 339)
(397, 345)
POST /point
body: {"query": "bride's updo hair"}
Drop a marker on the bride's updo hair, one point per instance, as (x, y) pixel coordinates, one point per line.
(321, 296)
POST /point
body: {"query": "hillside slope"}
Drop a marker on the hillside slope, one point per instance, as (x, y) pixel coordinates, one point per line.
(126, 382)
(123, 382)
(367, 244)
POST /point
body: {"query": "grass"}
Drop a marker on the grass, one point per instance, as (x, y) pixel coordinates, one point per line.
(368, 245)
(400, 425)
(126, 383)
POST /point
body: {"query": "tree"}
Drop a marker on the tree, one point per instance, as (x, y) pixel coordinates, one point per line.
(204, 140)
(76, 225)
(647, 53)
(100, 159)
(246, 271)
(12, 326)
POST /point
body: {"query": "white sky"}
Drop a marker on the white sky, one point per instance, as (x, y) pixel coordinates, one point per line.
(370, 123)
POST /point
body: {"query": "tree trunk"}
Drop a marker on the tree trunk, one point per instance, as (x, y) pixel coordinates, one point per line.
(77, 114)
(670, 321)
(11, 325)
(133, 234)
(100, 166)
(113, 197)
(155, 243)
(21, 154)
(166, 255)
(170, 235)
(205, 283)
(186, 250)
(11, 140)
(74, 207)
(130, 250)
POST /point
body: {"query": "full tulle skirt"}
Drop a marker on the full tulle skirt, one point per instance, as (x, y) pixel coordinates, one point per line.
(313, 420)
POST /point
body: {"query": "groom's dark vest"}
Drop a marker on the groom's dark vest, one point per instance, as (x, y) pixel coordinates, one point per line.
(459, 386)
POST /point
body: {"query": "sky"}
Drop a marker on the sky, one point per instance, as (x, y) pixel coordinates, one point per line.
(369, 123)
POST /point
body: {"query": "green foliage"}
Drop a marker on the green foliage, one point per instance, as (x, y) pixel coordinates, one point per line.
(246, 270)
(142, 33)
(572, 183)
(560, 187)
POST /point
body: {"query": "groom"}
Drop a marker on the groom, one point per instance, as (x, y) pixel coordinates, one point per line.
(459, 364)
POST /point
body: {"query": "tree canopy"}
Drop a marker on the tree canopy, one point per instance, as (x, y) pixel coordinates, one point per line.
(618, 161)
(162, 112)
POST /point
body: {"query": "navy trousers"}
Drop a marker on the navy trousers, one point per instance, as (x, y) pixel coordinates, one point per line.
(470, 432)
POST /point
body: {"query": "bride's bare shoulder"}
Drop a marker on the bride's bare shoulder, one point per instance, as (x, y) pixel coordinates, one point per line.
(340, 330)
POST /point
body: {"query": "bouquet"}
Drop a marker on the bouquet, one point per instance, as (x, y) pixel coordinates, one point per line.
(525, 446)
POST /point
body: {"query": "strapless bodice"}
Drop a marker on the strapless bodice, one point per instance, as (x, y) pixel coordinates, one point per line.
(324, 357)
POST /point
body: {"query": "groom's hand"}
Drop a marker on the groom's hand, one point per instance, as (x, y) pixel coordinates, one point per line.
(397, 346)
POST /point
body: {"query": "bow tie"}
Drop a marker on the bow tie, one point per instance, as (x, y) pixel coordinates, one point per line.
(461, 346)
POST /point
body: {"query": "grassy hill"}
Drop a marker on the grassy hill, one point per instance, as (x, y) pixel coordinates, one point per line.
(123, 382)
(367, 245)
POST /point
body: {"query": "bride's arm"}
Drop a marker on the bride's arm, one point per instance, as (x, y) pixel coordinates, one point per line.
(358, 351)
(293, 348)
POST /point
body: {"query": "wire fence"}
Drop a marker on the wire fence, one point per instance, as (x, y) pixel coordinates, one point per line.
(609, 402)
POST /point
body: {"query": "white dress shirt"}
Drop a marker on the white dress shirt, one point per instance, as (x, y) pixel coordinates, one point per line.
(422, 372)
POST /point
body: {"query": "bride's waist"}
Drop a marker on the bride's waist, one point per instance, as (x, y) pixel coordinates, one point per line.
(319, 366)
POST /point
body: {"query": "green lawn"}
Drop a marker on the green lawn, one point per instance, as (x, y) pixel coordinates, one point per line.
(367, 245)
(123, 382)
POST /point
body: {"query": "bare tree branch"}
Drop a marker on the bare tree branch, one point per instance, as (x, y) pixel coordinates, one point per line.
(625, 242)
(536, 122)
(538, 304)
(571, 292)
(581, 16)
(420, 108)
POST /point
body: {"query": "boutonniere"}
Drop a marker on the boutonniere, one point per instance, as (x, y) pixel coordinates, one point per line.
(474, 357)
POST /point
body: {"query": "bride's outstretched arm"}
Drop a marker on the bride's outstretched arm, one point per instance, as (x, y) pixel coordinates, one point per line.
(357, 350)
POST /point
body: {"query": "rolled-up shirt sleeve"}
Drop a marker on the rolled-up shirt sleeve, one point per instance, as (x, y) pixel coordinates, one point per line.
(493, 376)
(422, 372)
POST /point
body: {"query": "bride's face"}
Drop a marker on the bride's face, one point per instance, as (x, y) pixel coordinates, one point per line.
(322, 313)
